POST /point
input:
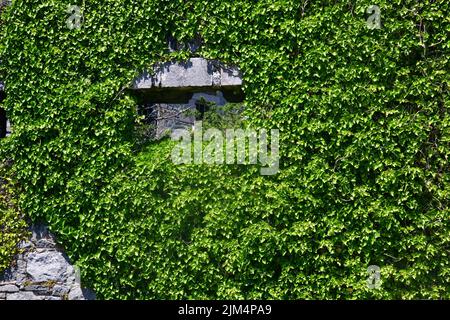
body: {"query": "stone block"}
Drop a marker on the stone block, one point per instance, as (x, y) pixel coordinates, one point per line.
(60, 290)
(23, 295)
(9, 288)
(47, 266)
(194, 73)
(45, 243)
(76, 293)
(38, 289)
(26, 245)
(41, 272)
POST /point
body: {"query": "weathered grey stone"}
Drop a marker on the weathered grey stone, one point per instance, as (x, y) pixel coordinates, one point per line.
(41, 250)
(76, 293)
(230, 77)
(25, 244)
(60, 290)
(47, 266)
(9, 288)
(71, 279)
(21, 263)
(15, 274)
(195, 73)
(70, 271)
(45, 243)
(38, 289)
(41, 272)
(23, 295)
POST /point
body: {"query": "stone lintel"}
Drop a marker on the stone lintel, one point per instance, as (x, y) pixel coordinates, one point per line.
(192, 74)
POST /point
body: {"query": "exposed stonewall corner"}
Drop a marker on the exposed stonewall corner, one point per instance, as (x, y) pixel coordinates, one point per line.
(41, 272)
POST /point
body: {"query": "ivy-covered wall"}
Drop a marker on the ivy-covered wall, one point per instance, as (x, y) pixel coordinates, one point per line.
(365, 144)
(13, 227)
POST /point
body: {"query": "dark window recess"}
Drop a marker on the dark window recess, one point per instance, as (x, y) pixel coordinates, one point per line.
(150, 113)
(149, 123)
(202, 106)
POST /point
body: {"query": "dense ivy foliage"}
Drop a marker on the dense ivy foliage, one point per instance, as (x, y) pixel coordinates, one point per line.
(365, 144)
(13, 227)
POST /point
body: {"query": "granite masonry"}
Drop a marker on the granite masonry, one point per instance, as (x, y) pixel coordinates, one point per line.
(42, 272)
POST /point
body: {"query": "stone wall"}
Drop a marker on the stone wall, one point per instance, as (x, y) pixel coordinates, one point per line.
(42, 272)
